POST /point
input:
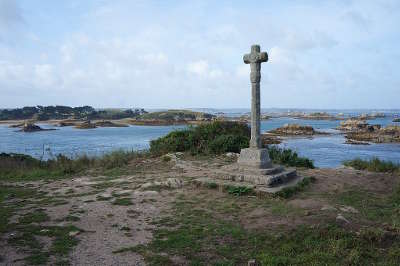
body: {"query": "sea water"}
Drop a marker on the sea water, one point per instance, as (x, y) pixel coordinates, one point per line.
(326, 151)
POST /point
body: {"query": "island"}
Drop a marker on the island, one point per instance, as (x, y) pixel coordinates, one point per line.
(62, 116)
(358, 131)
(295, 130)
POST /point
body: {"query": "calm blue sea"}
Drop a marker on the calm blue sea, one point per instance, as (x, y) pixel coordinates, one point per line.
(327, 151)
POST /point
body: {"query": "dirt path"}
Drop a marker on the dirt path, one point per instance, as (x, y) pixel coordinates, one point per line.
(115, 213)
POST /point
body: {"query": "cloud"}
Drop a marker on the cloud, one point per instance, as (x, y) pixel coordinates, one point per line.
(200, 68)
(10, 19)
(142, 53)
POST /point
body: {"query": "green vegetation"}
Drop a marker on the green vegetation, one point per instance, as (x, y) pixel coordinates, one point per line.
(240, 191)
(25, 233)
(65, 112)
(373, 165)
(373, 207)
(213, 138)
(202, 236)
(288, 157)
(15, 167)
(123, 201)
(176, 115)
(290, 191)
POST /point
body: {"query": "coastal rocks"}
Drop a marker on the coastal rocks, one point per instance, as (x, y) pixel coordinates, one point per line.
(294, 130)
(357, 125)
(16, 125)
(388, 134)
(105, 123)
(396, 120)
(267, 139)
(172, 117)
(30, 127)
(371, 116)
(355, 142)
(85, 125)
(66, 124)
(320, 116)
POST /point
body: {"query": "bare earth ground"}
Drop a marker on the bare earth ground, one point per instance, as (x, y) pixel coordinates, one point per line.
(117, 212)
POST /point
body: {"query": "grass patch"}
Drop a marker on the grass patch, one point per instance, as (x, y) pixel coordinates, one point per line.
(288, 157)
(384, 209)
(8, 210)
(123, 201)
(373, 165)
(288, 192)
(38, 216)
(203, 237)
(15, 167)
(29, 226)
(239, 191)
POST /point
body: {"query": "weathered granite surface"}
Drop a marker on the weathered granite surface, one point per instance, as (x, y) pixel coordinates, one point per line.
(255, 156)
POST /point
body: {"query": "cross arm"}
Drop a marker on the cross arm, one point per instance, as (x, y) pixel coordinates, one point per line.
(263, 57)
(255, 58)
(246, 59)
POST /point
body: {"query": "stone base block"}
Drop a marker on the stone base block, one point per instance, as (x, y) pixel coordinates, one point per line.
(254, 158)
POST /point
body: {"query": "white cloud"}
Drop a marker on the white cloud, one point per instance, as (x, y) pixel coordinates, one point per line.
(44, 76)
(200, 67)
(141, 53)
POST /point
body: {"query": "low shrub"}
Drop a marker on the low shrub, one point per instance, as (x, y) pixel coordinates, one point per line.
(373, 165)
(211, 138)
(288, 157)
(239, 191)
(20, 166)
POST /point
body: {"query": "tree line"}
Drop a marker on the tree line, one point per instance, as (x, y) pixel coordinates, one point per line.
(43, 113)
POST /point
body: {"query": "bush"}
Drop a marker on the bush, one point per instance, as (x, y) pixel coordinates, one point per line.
(373, 165)
(288, 157)
(228, 143)
(213, 138)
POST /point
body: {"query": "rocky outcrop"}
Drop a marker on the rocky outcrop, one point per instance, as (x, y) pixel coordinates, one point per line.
(396, 120)
(355, 125)
(371, 116)
(295, 130)
(106, 123)
(86, 125)
(31, 127)
(267, 139)
(16, 125)
(320, 116)
(388, 134)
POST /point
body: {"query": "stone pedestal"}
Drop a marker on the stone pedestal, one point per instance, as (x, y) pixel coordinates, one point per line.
(254, 158)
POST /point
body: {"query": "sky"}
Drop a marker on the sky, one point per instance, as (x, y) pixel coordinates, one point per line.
(189, 54)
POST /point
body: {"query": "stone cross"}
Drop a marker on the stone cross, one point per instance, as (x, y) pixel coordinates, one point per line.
(255, 58)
